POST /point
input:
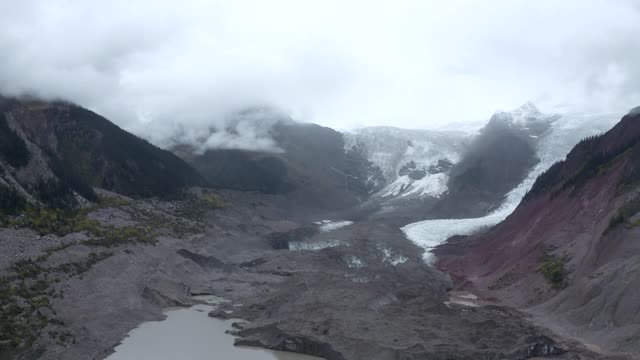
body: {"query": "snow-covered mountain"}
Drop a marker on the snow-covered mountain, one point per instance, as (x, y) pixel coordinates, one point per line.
(419, 163)
(552, 145)
(527, 119)
(413, 162)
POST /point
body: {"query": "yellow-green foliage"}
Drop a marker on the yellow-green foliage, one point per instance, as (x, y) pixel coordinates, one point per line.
(630, 208)
(554, 271)
(112, 201)
(111, 237)
(26, 289)
(23, 295)
(77, 268)
(26, 269)
(211, 200)
(57, 221)
(195, 206)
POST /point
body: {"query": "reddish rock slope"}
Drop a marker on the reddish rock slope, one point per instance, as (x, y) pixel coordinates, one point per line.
(571, 250)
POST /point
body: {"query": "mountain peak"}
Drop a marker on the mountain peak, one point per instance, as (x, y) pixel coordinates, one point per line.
(55, 152)
(635, 111)
(526, 111)
(526, 117)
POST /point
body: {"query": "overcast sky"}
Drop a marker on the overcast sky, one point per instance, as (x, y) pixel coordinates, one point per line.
(344, 64)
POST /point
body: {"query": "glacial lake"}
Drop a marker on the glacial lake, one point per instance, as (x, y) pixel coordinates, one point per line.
(190, 334)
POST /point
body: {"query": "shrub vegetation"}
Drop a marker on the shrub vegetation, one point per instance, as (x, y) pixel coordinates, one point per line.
(553, 270)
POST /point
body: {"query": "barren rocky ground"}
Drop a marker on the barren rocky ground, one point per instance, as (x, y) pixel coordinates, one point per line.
(358, 292)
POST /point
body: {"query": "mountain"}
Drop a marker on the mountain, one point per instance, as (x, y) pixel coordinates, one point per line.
(552, 146)
(414, 163)
(461, 174)
(306, 278)
(56, 153)
(309, 163)
(498, 158)
(569, 251)
(436, 174)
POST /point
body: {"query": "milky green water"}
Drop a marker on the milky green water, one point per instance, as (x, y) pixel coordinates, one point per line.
(190, 334)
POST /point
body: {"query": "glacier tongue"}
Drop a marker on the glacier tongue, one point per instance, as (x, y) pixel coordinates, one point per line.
(553, 146)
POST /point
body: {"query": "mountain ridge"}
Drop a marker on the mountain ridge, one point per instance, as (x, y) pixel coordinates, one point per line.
(58, 152)
(568, 251)
(314, 167)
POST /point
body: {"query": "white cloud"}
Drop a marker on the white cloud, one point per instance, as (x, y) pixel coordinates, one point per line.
(340, 63)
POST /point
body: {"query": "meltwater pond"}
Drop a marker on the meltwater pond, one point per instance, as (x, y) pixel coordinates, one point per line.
(190, 334)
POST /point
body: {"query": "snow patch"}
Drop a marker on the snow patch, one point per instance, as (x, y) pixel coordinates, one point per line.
(389, 257)
(431, 185)
(398, 186)
(357, 279)
(525, 113)
(316, 245)
(410, 150)
(353, 262)
(328, 225)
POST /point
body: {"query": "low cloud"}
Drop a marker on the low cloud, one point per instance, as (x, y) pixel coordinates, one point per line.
(161, 69)
(250, 129)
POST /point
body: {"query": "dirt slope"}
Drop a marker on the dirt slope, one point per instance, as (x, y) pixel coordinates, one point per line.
(569, 252)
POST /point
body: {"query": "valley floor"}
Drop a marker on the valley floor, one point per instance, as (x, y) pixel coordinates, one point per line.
(360, 291)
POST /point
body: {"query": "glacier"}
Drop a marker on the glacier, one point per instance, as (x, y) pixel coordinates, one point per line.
(565, 132)
(391, 148)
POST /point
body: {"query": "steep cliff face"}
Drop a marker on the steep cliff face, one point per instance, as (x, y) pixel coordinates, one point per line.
(55, 153)
(570, 249)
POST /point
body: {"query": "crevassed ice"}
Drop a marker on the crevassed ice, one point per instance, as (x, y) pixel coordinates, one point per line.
(433, 185)
(553, 146)
(390, 148)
